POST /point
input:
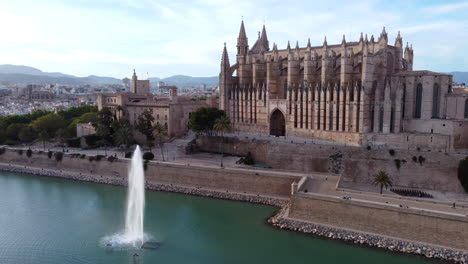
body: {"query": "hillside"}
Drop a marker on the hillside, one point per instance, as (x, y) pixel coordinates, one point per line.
(460, 77)
(20, 74)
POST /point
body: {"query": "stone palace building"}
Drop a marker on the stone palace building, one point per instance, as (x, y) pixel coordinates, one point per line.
(359, 93)
(173, 111)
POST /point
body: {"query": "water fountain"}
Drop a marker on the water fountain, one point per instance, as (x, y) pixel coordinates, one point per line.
(133, 234)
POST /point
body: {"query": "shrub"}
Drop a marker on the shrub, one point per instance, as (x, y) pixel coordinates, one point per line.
(91, 158)
(398, 163)
(111, 159)
(421, 160)
(369, 148)
(58, 156)
(82, 156)
(2, 150)
(73, 142)
(92, 140)
(247, 160)
(463, 173)
(148, 156)
(99, 157)
(10, 142)
(391, 152)
(29, 153)
(128, 155)
(20, 152)
(49, 154)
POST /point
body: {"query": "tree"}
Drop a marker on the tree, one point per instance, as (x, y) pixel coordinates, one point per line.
(44, 136)
(50, 123)
(382, 179)
(126, 82)
(145, 124)
(159, 132)
(150, 144)
(61, 135)
(463, 173)
(221, 126)
(203, 119)
(27, 134)
(103, 123)
(90, 117)
(13, 130)
(123, 136)
(103, 143)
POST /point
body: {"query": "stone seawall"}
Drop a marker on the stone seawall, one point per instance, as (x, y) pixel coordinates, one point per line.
(418, 169)
(226, 183)
(282, 221)
(426, 226)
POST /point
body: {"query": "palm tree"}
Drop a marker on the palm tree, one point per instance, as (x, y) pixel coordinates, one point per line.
(123, 136)
(383, 179)
(221, 126)
(159, 132)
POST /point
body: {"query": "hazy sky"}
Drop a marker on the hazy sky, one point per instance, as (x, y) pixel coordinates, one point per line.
(167, 37)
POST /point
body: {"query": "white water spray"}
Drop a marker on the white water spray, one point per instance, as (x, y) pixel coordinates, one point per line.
(135, 200)
(133, 235)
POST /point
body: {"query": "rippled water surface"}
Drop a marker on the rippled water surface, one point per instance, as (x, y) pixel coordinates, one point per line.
(45, 220)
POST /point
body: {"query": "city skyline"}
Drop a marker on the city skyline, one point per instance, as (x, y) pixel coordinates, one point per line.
(164, 38)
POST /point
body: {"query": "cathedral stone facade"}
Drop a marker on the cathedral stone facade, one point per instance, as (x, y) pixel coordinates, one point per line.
(358, 93)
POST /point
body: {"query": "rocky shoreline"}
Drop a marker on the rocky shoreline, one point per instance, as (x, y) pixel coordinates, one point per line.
(197, 191)
(282, 222)
(279, 220)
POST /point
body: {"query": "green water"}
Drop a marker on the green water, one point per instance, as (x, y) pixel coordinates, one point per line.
(46, 220)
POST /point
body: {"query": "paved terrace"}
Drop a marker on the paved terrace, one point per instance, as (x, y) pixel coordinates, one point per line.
(327, 185)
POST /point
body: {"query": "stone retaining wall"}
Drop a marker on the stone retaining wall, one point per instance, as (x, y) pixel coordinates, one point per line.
(244, 181)
(406, 223)
(431, 170)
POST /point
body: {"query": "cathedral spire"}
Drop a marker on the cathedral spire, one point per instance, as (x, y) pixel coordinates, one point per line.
(242, 41)
(361, 39)
(225, 59)
(297, 44)
(288, 47)
(264, 38)
(343, 41)
(308, 43)
(325, 41)
(399, 40)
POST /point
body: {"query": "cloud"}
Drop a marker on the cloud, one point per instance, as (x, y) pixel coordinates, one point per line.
(189, 36)
(446, 8)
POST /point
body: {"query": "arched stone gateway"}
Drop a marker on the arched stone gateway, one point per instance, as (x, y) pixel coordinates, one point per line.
(277, 124)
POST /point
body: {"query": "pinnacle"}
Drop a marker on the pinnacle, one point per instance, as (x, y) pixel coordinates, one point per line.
(289, 46)
(297, 44)
(325, 41)
(308, 43)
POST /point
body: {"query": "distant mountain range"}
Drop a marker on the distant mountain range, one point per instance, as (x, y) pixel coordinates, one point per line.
(460, 77)
(19, 74)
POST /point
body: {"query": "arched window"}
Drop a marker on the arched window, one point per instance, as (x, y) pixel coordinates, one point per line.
(466, 108)
(418, 101)
(435, 101)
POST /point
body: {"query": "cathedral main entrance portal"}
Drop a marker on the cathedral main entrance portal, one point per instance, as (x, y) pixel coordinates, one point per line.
(277, 124)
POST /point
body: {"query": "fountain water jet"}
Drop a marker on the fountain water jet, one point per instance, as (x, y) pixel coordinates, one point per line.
(135, 200)
(133, 235)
